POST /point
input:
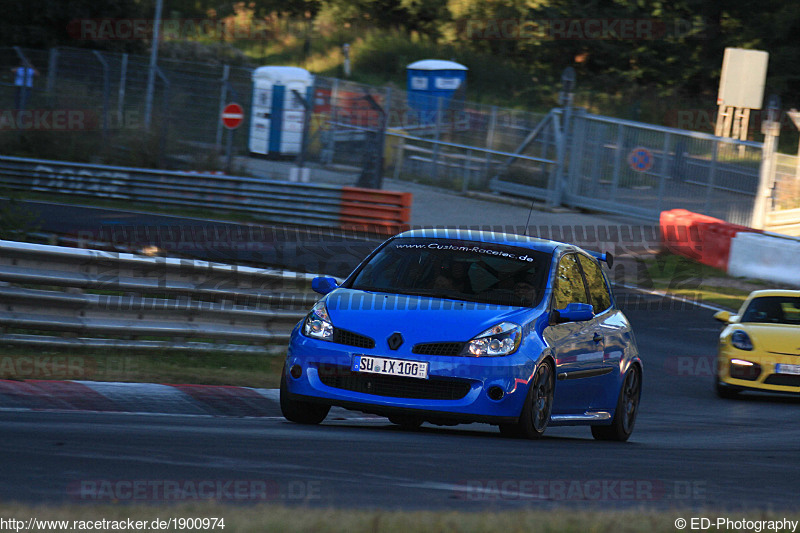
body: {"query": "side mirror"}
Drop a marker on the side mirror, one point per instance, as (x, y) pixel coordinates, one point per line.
(723, 316)
(323, 284)
(573, 312)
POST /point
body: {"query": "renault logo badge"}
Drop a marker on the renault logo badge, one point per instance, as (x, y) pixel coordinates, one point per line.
(395, 340)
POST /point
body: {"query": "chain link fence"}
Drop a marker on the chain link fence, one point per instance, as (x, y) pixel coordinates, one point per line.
(783, 211)
(786, 192)
(564, 156)
(445, 142)
(100, 97)
(646, 169)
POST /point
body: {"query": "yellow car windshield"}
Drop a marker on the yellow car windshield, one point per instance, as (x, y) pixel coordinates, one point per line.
(773, 310)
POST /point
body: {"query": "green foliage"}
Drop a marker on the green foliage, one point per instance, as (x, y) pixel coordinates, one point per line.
(383, 56)
(675, 64)
(208, 53)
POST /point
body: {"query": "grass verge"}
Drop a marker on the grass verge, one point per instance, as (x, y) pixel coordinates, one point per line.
(680, 276)
(245, 370)
(260, 518)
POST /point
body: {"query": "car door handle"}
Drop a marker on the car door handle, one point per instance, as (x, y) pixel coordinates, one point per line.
(597, 337)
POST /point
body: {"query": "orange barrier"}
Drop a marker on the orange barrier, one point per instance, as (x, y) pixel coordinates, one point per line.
(373, 210)
(699, 237)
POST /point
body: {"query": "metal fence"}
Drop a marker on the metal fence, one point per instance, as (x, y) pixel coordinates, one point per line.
(783, 212)
(448, 143)
(68, 297)
(563, 157)
(108, 90)
(622, 166)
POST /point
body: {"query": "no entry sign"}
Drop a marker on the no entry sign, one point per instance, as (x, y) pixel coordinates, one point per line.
(232, 116)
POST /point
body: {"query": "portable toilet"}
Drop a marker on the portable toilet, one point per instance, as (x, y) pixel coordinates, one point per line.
(431, 79)
(276, 127)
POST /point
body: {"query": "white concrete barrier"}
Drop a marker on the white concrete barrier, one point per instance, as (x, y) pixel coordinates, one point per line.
(765, 257)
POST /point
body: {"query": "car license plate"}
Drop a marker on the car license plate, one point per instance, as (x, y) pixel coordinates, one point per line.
(390, 367)
(787, 369)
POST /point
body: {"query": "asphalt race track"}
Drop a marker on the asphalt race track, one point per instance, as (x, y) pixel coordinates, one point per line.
(689, 449)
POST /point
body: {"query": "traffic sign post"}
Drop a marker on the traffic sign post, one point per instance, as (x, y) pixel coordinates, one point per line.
(232, 118)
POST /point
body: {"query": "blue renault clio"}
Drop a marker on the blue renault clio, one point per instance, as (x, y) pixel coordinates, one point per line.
(452, 326)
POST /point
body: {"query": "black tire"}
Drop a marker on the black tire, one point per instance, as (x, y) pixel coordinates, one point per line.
(406, 422)
(538, 406)
(624, 421)
(727, 392)
(301, 412)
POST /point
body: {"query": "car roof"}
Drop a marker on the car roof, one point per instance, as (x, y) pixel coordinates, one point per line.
(774, 292)
(489, 237)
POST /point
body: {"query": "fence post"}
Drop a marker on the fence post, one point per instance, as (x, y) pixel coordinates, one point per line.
(152, 69)
(618, 161)
(307, 101)
(223, 96)
(466, 178)
(711, 174)
(334, 117)
(165, 120)
(372, 170)
(561, 162)
(490, 141)
(52, 69)
(766, 174)
(123, 76)
(662, 181)
(566, 96)
(384, 125)
(106, 91)
(437, 137)
(552, 179)
(577, 151)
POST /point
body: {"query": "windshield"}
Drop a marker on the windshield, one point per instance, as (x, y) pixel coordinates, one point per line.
(773, 310)
(459, 270)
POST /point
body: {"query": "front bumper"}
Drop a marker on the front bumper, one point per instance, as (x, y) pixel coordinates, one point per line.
(457, 389)
(765, 378)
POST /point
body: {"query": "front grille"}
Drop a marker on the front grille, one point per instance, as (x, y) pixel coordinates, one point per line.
(341, 377)
(787, 380)
(342, 336)
(438, 348)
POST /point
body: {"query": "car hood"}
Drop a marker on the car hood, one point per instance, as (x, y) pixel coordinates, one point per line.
(418, 318)
(776, 338)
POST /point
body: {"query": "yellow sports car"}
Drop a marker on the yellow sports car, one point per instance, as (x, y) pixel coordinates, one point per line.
(759, 349)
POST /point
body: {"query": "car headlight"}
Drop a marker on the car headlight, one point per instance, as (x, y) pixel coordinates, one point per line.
(318, 324)
(502, 339)
(741, 340)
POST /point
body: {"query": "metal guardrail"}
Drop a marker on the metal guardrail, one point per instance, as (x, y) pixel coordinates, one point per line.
(61, 297)
(269, 200)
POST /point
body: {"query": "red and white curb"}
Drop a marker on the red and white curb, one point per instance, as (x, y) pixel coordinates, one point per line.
(213, 400)
(150, 398)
